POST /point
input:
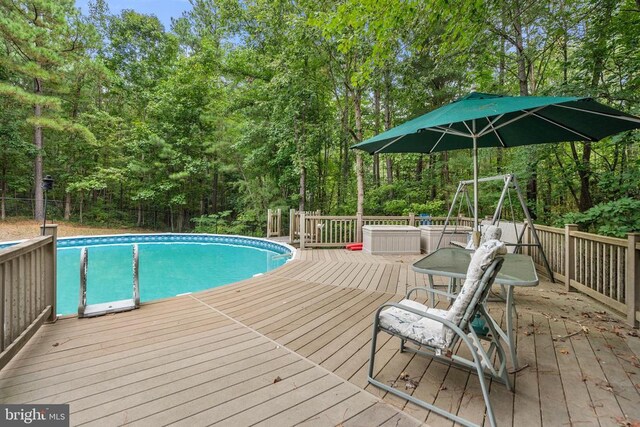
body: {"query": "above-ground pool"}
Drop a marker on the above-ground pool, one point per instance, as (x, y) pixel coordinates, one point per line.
(169, 265)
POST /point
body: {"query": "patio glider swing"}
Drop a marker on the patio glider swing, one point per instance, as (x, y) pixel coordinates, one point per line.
(436, 332)
(510, 183)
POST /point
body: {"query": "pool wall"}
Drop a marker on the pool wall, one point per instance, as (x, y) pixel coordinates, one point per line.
(114, 239)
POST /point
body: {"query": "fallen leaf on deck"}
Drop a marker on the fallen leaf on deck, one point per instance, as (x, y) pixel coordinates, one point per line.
(633, 334)
(55, 344)
(585, 329)
(444, 387)
(277, 380)
(605, 386)
(564, 351)
(625, 422)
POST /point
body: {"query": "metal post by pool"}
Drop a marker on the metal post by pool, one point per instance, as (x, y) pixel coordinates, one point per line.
(47, 184)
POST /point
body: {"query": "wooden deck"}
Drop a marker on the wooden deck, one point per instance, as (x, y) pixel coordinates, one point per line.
(292, 347)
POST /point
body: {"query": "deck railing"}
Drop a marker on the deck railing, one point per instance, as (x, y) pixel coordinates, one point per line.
(294, 223)
(28, 291)
(274, 223)
(605, 268)
(321, 231)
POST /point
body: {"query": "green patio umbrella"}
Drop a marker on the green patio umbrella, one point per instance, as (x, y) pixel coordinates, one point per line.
(486, 120)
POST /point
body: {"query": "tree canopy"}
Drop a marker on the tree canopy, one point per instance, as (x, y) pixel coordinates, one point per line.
(242, 106)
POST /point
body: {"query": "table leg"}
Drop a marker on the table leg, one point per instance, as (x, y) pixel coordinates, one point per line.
(510, 330)
(509, 336)
(432, 286)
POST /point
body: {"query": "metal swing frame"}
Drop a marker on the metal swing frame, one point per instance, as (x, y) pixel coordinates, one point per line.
(510, 182)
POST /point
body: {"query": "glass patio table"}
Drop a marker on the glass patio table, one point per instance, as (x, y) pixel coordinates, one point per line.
(517, 270)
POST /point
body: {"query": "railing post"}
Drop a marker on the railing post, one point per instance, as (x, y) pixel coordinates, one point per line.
(268, 223)
(51, 280)
(279, 223)
(412, 219)
(569, 255)
(359, 227)
(632, 285)
(292, 225)
(303, 226)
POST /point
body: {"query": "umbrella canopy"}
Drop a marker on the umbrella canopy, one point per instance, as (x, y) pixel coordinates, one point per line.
(502, 121)
(487, 120)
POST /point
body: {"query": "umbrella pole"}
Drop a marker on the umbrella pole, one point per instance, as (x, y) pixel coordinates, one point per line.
(476, 226)
(475, 178)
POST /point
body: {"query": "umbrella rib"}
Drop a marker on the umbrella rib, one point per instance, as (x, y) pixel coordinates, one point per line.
(508, 122)
(611, 116)
(553, 122)
(497, 134)
(447, 130)
(467, 126)
(440, 139)
(389, 143)
(490, 125)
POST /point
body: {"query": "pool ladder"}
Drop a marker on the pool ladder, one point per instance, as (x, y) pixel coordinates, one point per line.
(93, 310)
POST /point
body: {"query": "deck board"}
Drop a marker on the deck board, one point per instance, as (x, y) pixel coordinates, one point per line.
(212, 357)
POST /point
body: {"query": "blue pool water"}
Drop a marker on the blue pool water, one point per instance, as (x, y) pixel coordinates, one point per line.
(169, 265)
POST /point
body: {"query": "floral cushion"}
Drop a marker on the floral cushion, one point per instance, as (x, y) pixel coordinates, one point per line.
(432, 332)
(492, 232)
(418, 328)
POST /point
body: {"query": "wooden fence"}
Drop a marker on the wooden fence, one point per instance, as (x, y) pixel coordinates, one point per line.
(28, 287)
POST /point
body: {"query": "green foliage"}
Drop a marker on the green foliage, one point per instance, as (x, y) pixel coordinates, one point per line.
(240, 104)
(616, 218)
(213, 223)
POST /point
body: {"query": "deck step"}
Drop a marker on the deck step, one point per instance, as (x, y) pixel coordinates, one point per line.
(93, 310)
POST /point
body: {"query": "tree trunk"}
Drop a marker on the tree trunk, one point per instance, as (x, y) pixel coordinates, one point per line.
(37, 168)
(67, 206)
(434, 185)
(445, 175)
(139, 222)
(81, 205)
(532, 192)
(387, 124)
(419, 168)
(214, 190)
(3, 194)
(357, 104)
(344, 147)
(376, 129)
(303, 188)
(521, 59)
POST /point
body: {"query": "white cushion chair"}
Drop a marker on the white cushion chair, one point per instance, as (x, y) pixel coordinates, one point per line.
(434, 332)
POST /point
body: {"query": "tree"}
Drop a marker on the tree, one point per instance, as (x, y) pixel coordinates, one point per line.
(40, 37)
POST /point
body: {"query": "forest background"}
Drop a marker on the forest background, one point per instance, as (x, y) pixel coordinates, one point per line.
(245, 105)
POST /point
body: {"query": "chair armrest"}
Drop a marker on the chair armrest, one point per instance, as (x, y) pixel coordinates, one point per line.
(424, 314)
(429, 290)
(455, 328)
(462, 245)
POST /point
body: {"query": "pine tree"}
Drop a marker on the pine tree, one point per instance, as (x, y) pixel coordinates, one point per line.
(41, 38)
